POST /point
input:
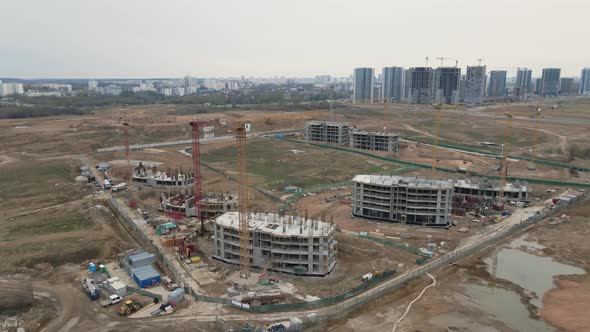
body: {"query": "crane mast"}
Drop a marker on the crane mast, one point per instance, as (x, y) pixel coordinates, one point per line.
(504, 170)
(244, 226)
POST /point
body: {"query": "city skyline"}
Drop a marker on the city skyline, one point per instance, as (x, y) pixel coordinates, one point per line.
(263, 38)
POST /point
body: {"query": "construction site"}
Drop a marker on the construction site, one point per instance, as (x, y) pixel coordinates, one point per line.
(313, 220)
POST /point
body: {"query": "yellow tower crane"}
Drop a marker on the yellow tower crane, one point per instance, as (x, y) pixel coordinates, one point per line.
(385, 108)
(435, 143)
(244, 224)
(505, 153)
(534, 149)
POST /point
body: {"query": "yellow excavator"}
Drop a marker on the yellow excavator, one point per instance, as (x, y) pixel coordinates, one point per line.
(129, 307)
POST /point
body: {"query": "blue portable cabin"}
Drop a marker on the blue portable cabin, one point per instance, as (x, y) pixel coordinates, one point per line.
(145, 276)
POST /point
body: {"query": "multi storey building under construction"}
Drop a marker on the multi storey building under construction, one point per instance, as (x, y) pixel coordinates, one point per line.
(409, 200)
(287, 244)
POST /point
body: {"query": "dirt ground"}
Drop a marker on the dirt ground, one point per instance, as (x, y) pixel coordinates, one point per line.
(448, 307)
(49, 220)
(564, 305)
(72, 232)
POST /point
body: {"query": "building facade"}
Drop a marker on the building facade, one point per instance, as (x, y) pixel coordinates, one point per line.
(363, 88)
(151, 177)
(325, 131)
(497, 85)
(393, 84)
(475, 84)
(585, 81)
(374, 141)
(524, 80)
(7, 89)
(403, 199)
(550, 81)
(490, 189)
(211, 205)
(446, 85)
(566, 86)
(419, 85)
(288, 244)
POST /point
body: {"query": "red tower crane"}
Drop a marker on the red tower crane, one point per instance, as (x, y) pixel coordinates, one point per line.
(196, 125)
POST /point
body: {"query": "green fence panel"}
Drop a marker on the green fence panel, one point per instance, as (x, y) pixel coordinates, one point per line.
(143, 293)
(513, 178)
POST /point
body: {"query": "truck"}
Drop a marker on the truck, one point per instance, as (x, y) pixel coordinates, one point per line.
(169, 284)
(119, 187)
(373, 274)
(113, 299)
(106, 185)
(90, 289)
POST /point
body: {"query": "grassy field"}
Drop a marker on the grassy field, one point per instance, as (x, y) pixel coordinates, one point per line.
(47, 224)
(36, 184)
(274, 164)
(33, 179)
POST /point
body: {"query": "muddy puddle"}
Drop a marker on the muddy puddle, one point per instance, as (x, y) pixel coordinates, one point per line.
(520, 264)
(506, 306)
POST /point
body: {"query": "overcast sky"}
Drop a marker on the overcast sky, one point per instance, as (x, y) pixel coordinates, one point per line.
(172, 38)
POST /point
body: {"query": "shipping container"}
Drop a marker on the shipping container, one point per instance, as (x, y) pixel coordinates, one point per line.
(145, 276)
(141, 259)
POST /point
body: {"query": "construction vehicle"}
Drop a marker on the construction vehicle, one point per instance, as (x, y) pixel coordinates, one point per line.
(374, 274)
(119, 187)
(90, 289)
(129, 307)
(113, 299)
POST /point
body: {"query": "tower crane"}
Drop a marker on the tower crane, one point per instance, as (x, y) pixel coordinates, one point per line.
(435, 143)
(442, 59)
(532, 165)
(385, 108)
(128, 171)
(196, 134)
(506, 148)
(244, 224)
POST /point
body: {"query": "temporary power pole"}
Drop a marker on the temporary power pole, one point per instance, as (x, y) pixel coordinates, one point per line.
(241, 136)
(196, 134)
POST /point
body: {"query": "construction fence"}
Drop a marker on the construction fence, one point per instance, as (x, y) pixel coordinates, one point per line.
(143, 293)
(356, 297)
(377, 287)
(491, 154)
(326, 187)
(447, 170)
(146, 242)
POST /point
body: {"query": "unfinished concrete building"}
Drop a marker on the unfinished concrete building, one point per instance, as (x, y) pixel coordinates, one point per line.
(287, 244)
(212, 204)
(150, 176)
(375, 141)
(489, 189)
(330, 132)
(408, 200)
